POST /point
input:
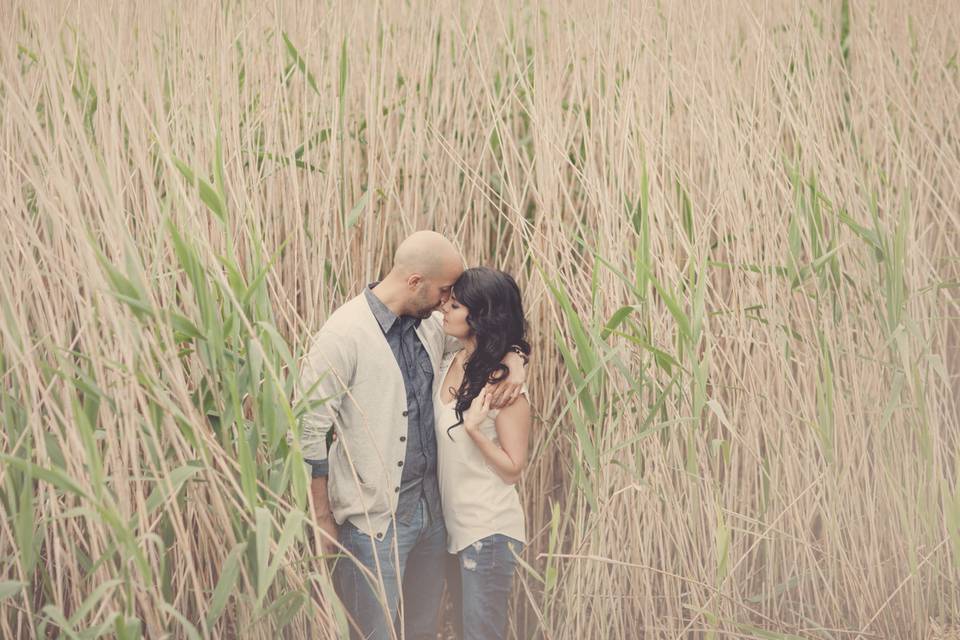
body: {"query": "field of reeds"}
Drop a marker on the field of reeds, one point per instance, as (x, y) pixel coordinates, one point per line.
(736, 230)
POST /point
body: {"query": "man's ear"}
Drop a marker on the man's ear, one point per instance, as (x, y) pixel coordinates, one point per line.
(414, 280)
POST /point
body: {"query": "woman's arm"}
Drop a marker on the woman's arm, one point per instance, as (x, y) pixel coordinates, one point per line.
(513, 432)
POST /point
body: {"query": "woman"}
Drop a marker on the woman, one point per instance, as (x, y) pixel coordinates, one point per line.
(482, 452)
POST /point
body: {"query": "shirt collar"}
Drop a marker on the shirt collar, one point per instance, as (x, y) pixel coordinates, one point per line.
(386, 318)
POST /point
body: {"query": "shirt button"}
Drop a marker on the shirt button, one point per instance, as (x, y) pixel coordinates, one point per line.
(400, 463)
(403, 438)
(405, 413)
(379, 536)
(396, 489)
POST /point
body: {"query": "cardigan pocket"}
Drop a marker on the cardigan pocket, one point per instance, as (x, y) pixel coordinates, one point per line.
(348, 482)
(356, 462)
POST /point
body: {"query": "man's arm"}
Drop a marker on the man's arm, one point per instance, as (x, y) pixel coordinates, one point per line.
(324, 375)
(506, 391)
(323, 515)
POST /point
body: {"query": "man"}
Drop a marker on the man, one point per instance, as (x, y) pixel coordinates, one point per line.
(375, 490)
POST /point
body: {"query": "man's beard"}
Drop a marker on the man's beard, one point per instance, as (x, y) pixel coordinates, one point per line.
(423, 312)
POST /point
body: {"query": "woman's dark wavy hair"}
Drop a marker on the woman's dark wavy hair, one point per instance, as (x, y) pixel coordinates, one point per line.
(495, 315)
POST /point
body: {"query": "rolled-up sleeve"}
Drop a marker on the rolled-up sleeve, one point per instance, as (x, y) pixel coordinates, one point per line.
(325, 374)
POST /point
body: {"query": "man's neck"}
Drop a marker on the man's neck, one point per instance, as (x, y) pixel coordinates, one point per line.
(391, 296)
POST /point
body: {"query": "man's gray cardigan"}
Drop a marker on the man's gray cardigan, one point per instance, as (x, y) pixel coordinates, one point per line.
(352, 366)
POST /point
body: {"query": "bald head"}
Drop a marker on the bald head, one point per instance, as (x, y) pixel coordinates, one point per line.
(428, 254)
(424, 269)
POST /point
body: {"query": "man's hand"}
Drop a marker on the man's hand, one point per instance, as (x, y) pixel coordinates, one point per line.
(504, 393)
(328, 545)
(327, 538)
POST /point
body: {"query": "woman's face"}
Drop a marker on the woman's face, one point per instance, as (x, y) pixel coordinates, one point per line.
(455, 318)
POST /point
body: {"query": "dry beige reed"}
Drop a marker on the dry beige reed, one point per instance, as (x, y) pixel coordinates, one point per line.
(736, 230)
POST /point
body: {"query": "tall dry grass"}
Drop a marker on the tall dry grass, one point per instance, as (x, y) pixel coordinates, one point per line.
(736, 229)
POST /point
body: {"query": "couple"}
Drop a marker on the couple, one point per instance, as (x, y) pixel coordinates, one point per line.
(431, 434)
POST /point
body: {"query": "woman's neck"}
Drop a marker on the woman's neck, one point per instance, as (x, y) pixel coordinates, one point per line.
(469, 346)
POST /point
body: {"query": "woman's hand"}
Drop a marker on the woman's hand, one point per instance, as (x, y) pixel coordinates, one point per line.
(479, 408)
(507, 453)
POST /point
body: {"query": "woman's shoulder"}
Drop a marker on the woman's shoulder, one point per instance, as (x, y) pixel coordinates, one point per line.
(519, 408)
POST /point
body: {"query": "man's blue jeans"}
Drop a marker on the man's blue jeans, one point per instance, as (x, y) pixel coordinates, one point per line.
(415, 568)
(484, 572)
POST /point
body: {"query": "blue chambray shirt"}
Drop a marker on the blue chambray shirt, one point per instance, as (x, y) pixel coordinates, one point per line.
(419, 477)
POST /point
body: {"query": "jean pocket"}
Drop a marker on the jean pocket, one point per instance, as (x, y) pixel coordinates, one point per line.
(505, 553)
(355, 541)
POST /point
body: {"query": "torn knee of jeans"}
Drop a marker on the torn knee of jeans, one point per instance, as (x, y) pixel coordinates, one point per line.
(470, 564)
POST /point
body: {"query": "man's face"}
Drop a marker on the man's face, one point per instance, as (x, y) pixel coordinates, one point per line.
(432, 292)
